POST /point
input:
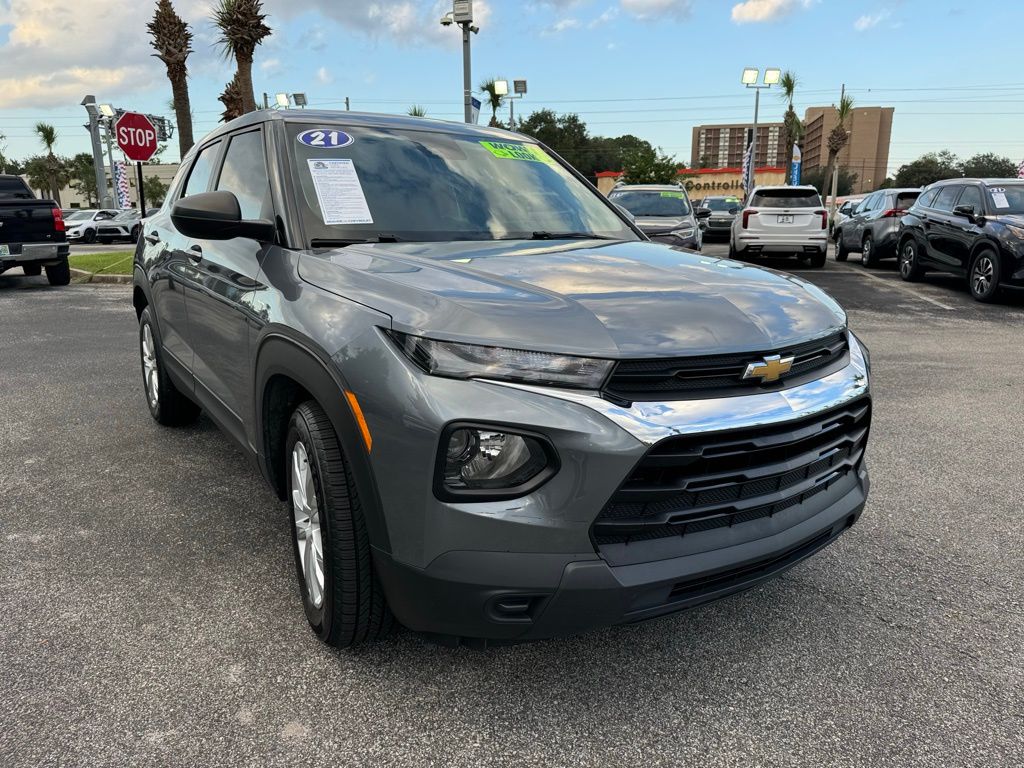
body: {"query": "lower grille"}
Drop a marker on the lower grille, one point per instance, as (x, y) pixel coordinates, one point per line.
(695, 483)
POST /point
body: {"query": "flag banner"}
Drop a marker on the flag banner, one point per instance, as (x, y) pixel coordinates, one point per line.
(748, 169)
(794, 166)
(1020, 170)
(124, 199)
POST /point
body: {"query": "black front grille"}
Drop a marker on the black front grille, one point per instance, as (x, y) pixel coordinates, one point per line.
(679, 378)
(697, 483)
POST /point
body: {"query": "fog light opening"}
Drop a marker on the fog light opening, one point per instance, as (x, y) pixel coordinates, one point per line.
(478, 461)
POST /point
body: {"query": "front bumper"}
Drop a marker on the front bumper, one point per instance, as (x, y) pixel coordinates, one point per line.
(528, 568)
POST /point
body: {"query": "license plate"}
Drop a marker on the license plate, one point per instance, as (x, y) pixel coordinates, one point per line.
(785, 218)
(5, 250)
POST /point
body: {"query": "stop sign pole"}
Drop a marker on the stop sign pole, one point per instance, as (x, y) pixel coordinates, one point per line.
(136, 136)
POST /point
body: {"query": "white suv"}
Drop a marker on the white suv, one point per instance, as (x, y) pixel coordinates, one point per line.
(782, 220)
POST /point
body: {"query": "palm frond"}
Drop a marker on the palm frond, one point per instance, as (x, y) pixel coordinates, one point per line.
(171, 37)
(242, 27)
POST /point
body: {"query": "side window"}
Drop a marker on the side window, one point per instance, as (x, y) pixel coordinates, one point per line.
(946, 196)
(245, 174)
(870, 204)
(972, 196)
(927, 198)
(202, 170)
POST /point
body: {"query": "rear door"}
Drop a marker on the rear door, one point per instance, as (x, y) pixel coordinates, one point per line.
(853, 230)
(784, 212)
(940, 228)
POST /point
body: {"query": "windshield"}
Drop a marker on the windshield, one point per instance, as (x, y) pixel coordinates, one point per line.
(363, 183)
(721, 203)
(126, 216)
(785, 198)
(1006, 199)
(652, 202)
(80, 216)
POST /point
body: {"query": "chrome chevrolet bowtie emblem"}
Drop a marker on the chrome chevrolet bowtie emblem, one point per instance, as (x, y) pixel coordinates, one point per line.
(769, 369)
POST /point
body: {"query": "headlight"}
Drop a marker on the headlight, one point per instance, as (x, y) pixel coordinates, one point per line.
(491, 463)
(474, 361)
(1016, 231)
(688, 232)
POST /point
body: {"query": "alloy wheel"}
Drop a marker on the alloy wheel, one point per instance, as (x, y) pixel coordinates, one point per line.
(150, 371)
(865, 253)
(307, 525)
(982, 276)
(907, 256)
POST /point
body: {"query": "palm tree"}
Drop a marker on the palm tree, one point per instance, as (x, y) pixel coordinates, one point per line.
(417, 111)
(48, 136)
(837, 139)
(172, 41)
(793, 129)
(494, 100)
(233, 99)
(241, 29)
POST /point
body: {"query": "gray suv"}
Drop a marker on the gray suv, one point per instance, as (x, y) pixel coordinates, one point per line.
(874, 225)
(663, 212)
(494, 410)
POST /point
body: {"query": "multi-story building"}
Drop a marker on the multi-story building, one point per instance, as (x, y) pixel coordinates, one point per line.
(721, 146)
(866, 152)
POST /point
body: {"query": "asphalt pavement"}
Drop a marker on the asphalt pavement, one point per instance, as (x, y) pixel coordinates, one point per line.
(150, 612)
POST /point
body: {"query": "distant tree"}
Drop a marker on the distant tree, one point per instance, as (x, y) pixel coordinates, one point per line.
(792, 128)
(649, 166)
(56, 174)
(815, 177)
(45, 172)
(172, 41)
(705, 162)
(988, 165)
(888, 183)
(493, 99)
(417, 111)
(233, 99)
(154, 190)
(930, 167)
(242, 27)
(82, 174)
(837, 139)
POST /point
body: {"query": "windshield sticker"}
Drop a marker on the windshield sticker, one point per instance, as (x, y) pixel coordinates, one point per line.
(339, 192)
(509, 151)
(999, 198)
(672, 194)
(325, 138)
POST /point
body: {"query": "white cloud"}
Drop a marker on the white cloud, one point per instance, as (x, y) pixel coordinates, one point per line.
(609, 15)
(753, 11)
(561, 26)
(324, 76)
(270, 66)
(657, 10)
(867, 21)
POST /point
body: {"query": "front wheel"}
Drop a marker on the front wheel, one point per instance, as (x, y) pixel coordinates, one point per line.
(909, 261)
(815, 260)
(342, 597)
(984, 280)
(59, 274)
(89, 236)
(842, 253)
(868, 256)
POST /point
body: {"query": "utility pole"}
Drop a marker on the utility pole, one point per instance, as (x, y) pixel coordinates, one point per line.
(835, 171)
(110, 202)
(753, 140)
(467, 80)
(89, 102)
(347, 108)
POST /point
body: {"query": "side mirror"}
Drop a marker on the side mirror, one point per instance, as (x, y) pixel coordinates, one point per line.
(625, 212)
(734, 210)
(702, 213)
(217, 216)
(964, 210)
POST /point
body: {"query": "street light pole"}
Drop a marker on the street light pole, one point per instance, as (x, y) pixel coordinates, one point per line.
(467, 77)
(749, 79)
(89, 102)
(753, 138)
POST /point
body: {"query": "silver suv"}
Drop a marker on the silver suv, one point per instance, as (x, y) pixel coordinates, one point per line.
(663, 212)
(782, 220)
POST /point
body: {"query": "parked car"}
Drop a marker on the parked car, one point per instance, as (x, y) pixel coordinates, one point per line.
(723, 211)
(874, 225)
(663, 212)
(968, 227)
(496, 412)
(127, 225)
(843, 212)
(84, 224)
(781, 220)
(31, 233)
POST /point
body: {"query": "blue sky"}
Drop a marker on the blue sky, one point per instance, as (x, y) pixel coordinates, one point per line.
(653, 68)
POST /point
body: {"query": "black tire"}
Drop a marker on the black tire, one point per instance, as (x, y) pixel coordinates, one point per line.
(868, 252)
(733, 253)
(352, 608)
(59, 274)
(814, 260)
(32, 270)
(908, 261)
(842, 252)
(170, 407)
(983, 277)
(136, 231)
(89, 236)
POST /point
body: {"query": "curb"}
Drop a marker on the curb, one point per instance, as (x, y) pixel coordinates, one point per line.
(89, 277)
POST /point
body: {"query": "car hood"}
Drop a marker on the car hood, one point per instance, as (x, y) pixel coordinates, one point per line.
(582, 297)
(1013, 219)
(663, 223)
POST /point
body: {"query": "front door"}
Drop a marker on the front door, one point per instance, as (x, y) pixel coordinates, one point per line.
(940, 227)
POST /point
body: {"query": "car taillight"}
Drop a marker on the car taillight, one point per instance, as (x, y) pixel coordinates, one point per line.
(824, 218)
(58, 220)
(747, 213)
(892, 213)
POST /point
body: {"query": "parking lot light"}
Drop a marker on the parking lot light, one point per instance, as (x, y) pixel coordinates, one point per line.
(772, 75)
(749, 76)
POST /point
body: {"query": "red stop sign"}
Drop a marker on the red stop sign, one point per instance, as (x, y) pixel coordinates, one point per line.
(136, 136)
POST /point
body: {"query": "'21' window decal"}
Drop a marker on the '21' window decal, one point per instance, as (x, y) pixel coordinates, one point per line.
(325, 138)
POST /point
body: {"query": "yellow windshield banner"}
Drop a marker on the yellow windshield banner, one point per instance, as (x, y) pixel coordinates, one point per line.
(510, 151)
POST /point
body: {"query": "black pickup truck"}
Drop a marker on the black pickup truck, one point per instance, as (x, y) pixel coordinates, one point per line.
(31, 233)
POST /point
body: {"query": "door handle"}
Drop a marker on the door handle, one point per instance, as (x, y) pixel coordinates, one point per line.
(195, 253)
(153, 237)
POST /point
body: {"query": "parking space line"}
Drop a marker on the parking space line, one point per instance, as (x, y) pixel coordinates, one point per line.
(897, 285)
